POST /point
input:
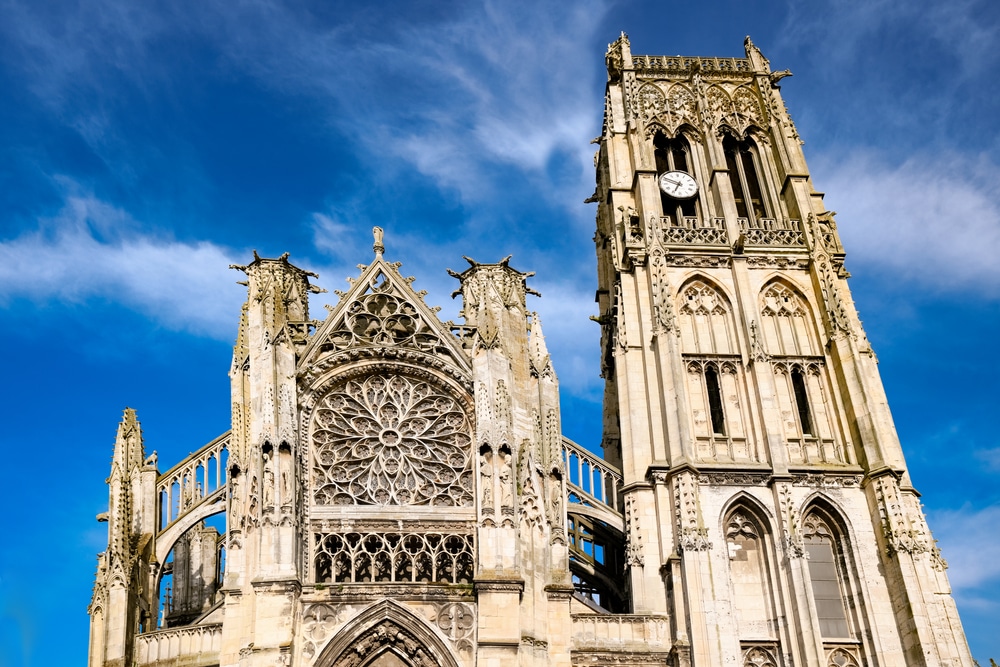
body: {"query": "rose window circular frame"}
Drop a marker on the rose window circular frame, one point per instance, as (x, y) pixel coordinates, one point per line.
(391, 439)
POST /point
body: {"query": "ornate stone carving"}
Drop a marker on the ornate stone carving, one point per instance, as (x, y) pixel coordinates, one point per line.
(747, 106)
(621, 333)
(682, 106)
(842, 657)
(614, 58)
(267, 488)
(502, 412)
(699, 298)
(506, 476)
(252, 517)
(386, 634)
(318, 623)
(738, 524)
(557, 519)
(691, 231)
(826, 481)
(651, 102)
(791, 537)
(487, 484)
(692, 536)
(734, 478)
(531, 515)
(388, 439)
(757, 351)
(664, 318)
(382, 318)
(699, 261)
(357, 557)
(457, 620)
(235, 516)
(633, 546)
(777, 262)
(839, 320)
(720, 106)
(758, 657)
(901, 534)
(772, 232)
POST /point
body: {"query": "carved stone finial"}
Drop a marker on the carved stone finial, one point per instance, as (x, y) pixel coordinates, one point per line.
(378, 246)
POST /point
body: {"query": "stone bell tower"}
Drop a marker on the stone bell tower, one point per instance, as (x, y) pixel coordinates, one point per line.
(767, 503)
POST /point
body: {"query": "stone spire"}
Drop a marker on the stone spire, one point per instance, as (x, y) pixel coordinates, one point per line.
(121, 591)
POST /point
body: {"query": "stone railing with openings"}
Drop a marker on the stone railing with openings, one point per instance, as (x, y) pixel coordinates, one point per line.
(590, 478)
(618, 631)
(191, 646)
(691, 230)
(771, 232)
(192, 481)
(420, 558)
(683, 64)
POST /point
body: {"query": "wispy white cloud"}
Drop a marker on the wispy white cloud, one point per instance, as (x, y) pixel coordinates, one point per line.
(968, 540)
(93, 250)
(483, 86)
(963, 29)
(933, 220)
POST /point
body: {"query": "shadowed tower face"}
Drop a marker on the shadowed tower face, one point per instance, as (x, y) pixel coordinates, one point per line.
(396, 490)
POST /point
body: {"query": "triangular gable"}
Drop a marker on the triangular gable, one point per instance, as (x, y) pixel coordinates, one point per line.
(382, 310)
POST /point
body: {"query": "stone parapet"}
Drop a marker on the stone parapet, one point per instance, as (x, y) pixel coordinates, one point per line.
(192, 646)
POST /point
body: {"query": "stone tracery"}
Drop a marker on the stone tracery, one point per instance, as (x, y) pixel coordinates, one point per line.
(388, 439)
(379, 317)
(356, 557)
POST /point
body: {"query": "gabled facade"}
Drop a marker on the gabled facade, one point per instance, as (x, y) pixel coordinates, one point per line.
(397, 490)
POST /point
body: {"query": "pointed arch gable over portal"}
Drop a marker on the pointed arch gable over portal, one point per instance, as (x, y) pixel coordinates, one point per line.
(387, 629)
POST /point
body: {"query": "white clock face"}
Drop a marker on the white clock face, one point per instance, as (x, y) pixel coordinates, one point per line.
(678, 184)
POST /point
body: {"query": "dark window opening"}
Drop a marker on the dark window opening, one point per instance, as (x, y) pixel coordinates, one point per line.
(715, 401)
(802, 401)
(742, 165)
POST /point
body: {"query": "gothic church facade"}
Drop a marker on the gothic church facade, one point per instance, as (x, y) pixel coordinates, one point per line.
(397, 490)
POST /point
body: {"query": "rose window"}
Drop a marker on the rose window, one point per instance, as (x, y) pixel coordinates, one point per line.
(391, 440)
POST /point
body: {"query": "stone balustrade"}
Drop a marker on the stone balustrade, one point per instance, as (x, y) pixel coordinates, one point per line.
(624, 632)
(190, 646)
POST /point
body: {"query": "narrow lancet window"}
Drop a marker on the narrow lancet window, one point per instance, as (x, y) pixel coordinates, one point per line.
(715, 401)
(802, 401)
(742, 166)
(824, 574)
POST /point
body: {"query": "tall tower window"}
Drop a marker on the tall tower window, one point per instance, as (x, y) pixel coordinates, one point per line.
(747, 542)
(674, 155)
(802, 401)
(715, 400)
(741, 161)
(825, 577)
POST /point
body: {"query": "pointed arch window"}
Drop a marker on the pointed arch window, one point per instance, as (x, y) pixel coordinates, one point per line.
(706, 320)
(826, 576)
(675, 155)
(785, 321)
(745, 540)
(744, 174)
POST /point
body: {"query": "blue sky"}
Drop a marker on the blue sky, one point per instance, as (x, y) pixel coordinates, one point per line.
(145, 148)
